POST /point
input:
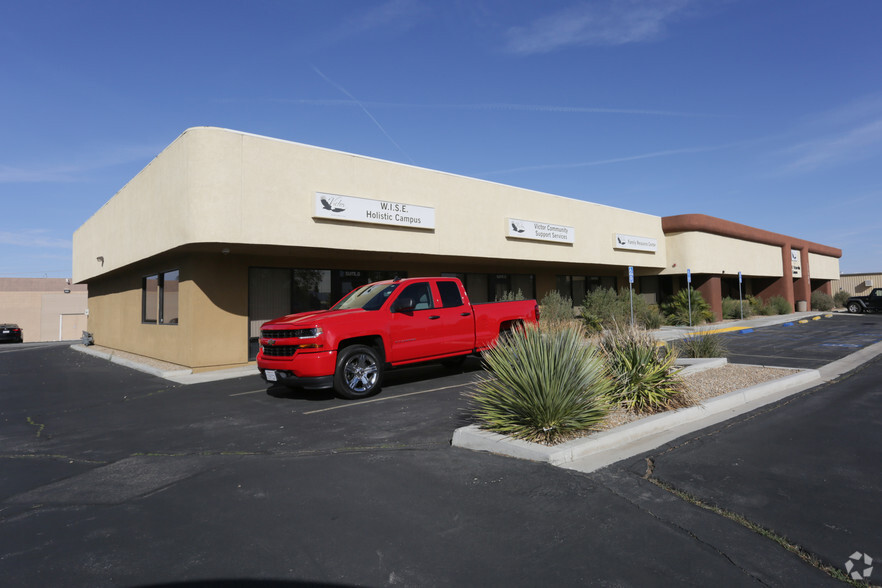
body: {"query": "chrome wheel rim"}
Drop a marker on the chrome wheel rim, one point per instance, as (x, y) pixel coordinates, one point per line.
(361, 372)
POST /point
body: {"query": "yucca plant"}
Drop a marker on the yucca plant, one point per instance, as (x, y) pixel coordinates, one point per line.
(544, 387)
(642, 371)
(676, 308)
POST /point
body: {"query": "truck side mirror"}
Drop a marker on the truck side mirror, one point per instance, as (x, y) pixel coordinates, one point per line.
(403, 304)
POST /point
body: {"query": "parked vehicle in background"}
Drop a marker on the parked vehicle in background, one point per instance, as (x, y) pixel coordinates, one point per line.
(389, 323)
(859, 304)
(10, 333)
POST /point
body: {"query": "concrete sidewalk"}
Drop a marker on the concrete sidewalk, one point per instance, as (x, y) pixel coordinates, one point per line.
(672, 333)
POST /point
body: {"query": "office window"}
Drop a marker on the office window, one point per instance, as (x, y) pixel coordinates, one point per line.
(159, 298)
(577, 287)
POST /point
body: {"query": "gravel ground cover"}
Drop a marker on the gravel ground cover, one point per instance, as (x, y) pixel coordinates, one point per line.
(708, 384)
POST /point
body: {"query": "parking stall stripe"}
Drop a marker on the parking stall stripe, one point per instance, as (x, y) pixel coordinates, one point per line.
(382, 398)
(244, 393)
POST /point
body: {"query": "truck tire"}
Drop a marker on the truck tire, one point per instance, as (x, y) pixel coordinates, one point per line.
(359, 372)
(855, 307)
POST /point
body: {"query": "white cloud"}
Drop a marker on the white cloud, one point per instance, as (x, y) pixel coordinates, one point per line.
(76, 172)
(394, 15)
(849, 133)
(501, 106)
(848, 145)
(652, 155)
(607, 23)
(39, 238)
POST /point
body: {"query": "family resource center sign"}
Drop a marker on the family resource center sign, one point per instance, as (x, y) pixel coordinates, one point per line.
(377, 212)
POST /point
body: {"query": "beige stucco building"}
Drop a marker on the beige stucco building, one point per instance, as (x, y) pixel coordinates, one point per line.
(224, 230)
(46, 309)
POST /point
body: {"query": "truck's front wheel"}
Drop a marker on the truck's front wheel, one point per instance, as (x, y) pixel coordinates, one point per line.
(359, 372)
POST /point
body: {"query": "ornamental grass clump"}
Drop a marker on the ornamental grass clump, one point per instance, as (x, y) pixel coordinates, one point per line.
(643, 373)
(544, 386)
(702, 344)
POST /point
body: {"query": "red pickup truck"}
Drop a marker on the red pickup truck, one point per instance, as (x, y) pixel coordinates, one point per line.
(389, 323)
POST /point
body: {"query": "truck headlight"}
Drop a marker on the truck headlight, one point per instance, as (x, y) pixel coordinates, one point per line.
(308, 333)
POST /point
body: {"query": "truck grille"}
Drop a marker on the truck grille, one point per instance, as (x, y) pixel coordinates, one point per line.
(279, 350)
(278, 334)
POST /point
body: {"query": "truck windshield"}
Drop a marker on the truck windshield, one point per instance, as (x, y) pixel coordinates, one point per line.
(370, 297)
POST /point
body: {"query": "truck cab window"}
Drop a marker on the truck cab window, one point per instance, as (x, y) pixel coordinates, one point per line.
(421, 295)
(450, 296)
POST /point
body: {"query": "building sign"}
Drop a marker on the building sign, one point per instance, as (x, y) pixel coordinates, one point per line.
(633, 243)
(378, 212)
(524, 229)
(796, 263)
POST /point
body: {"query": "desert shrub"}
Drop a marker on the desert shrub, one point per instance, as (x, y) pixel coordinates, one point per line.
(822, 301)
(510, 296)
(556, 308)
(676, 308)
(651, 317)
(604, 308)
(543, 386)
(642, 371)
(840, 298)
(731, 308)
(702, 344)
(779, 305)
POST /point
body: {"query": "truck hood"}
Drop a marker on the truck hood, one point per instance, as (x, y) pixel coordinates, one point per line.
(311, 319)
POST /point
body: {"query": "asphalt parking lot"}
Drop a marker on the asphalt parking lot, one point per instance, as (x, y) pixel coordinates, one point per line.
(809, 344)
(110, 477)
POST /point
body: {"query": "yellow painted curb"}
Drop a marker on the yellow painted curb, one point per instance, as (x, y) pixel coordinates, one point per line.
(715, 331)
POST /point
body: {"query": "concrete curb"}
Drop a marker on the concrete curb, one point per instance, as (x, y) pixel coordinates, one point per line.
(129, 363)
(183, 376)
(472, 437)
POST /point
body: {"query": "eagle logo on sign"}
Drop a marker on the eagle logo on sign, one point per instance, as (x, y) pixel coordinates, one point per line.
(333, 204)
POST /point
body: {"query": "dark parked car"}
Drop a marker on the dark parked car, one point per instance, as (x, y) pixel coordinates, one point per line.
(10, 333)
(859, 304)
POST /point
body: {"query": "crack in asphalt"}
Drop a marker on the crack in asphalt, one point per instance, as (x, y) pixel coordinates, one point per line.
(669, 522)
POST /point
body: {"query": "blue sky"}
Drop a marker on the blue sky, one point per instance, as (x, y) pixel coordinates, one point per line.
(763, 113)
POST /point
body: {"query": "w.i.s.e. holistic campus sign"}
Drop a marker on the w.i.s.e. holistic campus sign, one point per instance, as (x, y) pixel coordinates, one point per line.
(377, 212)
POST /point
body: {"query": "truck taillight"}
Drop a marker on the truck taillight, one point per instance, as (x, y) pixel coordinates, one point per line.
(536, 311)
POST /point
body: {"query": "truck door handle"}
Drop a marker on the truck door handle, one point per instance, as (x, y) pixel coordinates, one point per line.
(465, 314)
(433, 318)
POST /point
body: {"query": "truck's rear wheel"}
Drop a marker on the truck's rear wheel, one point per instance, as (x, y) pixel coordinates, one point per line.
(855, 308)
(359, 372)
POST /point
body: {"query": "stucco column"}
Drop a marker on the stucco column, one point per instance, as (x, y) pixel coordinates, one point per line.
(782, 286)
(802, 289)
(711, 291)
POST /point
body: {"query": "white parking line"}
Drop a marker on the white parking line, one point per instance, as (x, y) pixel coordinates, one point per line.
(382, 398)
(244, 393)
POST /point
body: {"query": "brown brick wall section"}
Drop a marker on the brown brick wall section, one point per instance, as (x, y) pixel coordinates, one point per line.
(791, 289)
